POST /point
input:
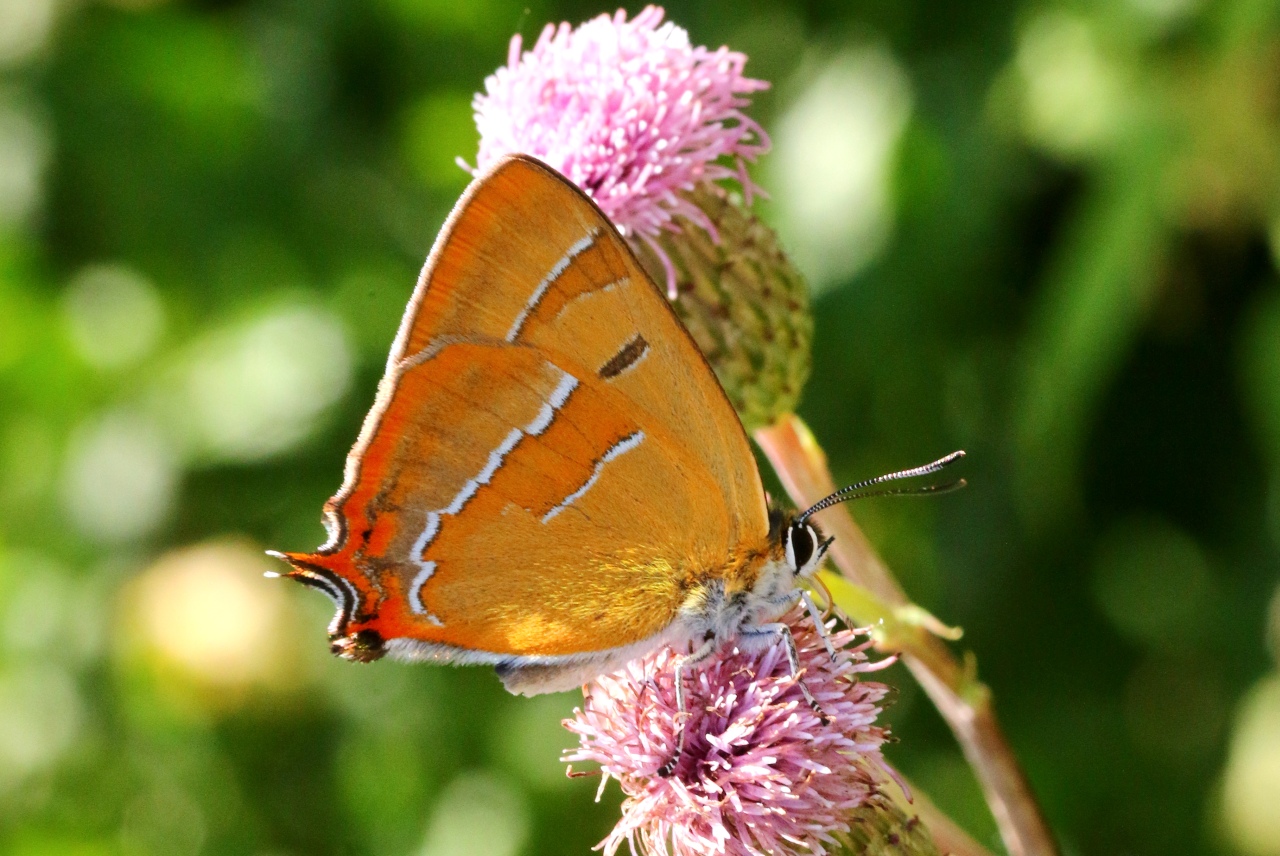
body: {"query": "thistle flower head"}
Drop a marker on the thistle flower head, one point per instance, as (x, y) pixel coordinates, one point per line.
(630, 111)
(761, 771)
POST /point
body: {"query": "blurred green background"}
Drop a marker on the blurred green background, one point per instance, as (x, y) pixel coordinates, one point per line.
(1045, 233)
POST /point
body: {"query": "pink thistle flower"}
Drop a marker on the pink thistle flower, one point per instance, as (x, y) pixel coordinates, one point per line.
(630, 112)
(761, 771)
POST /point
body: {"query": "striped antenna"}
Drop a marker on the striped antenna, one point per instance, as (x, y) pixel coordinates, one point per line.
(845, 494)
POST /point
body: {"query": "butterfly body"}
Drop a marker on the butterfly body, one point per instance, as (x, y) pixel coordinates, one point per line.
(551, 479)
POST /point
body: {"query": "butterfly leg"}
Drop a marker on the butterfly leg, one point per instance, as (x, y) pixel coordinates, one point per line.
(682, 712)
(793, 657)
(818, 623)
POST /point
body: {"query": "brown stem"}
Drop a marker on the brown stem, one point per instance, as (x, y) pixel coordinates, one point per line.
(960, 698)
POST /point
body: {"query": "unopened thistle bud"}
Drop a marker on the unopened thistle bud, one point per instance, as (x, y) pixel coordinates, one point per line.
(744, 302)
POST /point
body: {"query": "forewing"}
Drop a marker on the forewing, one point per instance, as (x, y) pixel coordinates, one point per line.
(550, 464)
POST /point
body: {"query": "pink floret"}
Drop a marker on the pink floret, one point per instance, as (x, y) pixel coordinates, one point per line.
(628, 110)
(761, 771)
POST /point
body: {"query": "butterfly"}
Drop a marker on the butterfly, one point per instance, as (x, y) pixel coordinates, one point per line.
(551, 480)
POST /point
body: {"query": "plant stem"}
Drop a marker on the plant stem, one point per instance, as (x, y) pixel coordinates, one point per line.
(963, 701)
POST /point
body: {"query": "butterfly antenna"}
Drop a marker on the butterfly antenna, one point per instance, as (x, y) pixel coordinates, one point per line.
(859, 490)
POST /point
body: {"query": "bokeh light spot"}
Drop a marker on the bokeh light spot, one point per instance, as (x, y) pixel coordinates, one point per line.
(208, 611)
(24, 151)
(38, 596)
(1071, 93)
(1251, 786)
(477, 813)
(834, 151)
(113, 314)
(120, 477)
(1153, 581)
(256, 389)
(25, 26)
(1166, 12)
(40, 716)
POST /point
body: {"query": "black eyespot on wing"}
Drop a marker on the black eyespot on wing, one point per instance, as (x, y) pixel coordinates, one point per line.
(802, 545)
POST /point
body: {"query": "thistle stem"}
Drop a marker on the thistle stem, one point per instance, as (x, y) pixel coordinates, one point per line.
(964, 702)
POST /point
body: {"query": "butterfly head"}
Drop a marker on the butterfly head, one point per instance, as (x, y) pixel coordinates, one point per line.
(803, 547)
(796, 544)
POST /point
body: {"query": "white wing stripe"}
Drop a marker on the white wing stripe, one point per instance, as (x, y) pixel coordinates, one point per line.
(415, 600)
(552, 275)
(431, 526)
(543, 420)
(496, 457)
(626, 444)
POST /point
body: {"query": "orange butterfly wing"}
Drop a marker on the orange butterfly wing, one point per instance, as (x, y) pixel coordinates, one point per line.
(550, 465)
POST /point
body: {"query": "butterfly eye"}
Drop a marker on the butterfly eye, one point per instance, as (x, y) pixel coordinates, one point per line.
(801, 542)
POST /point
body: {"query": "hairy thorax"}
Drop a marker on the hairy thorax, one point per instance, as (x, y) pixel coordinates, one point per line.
(728, 609)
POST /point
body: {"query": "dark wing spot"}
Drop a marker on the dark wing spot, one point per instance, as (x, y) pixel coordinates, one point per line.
(626, 358)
